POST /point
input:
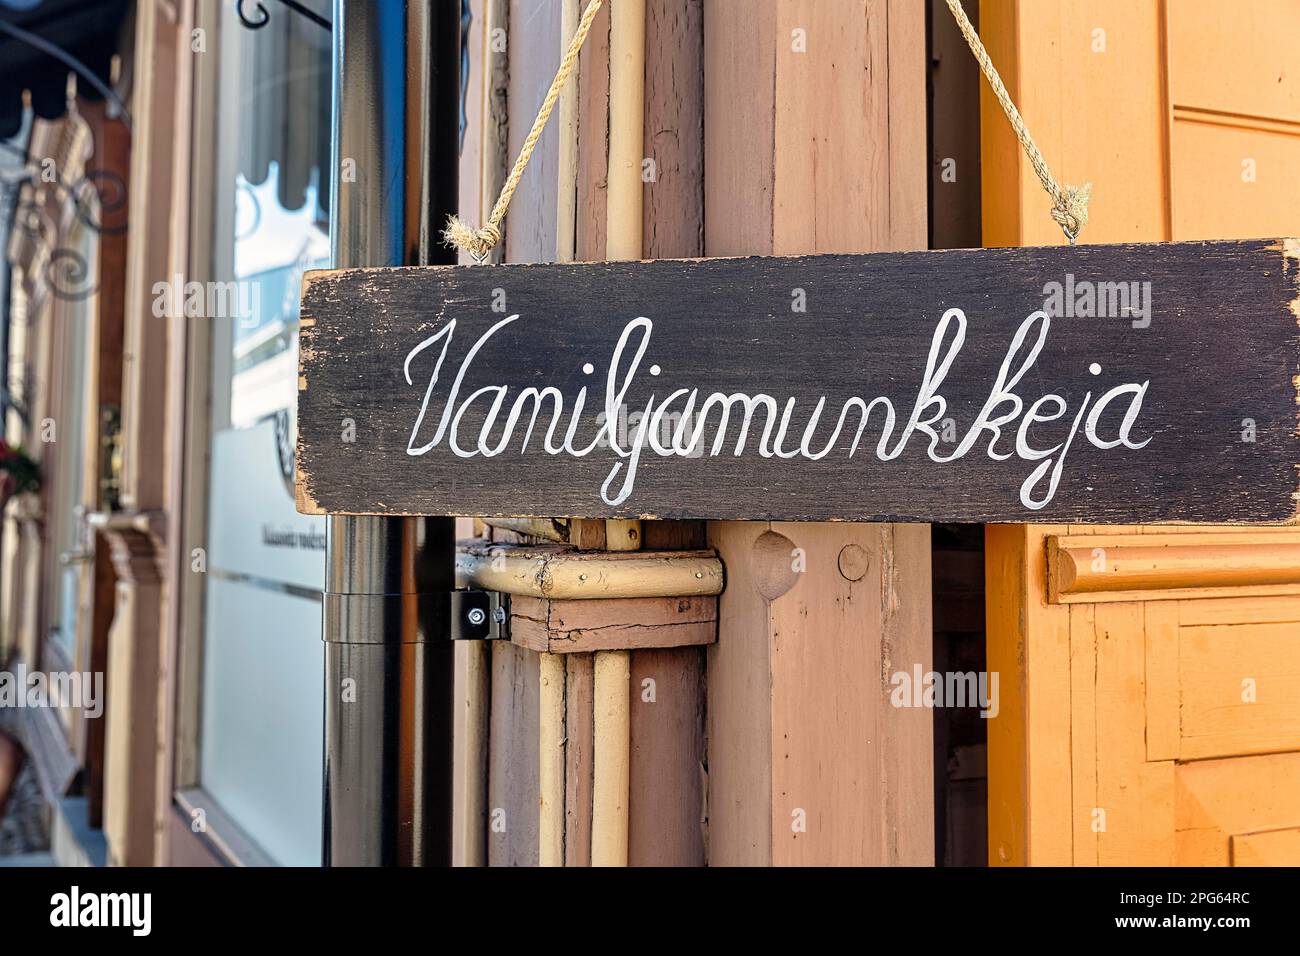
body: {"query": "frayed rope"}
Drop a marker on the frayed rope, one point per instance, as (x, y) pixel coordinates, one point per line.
(1069, 204)
(479, 242)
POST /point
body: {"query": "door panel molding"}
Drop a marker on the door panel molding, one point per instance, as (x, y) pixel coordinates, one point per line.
(1123, 673)
(1154, 567)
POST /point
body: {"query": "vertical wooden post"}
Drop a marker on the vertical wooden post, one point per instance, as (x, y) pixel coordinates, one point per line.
(176, 558)
(134, 749)
(815, 142)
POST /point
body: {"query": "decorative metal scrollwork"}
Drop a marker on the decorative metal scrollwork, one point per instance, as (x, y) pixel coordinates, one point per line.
(67, 272)
(260, 16)
(68, 275)
(110, 190)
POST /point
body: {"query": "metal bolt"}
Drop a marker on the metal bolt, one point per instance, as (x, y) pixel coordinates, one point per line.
(499, 615)
(476, 616)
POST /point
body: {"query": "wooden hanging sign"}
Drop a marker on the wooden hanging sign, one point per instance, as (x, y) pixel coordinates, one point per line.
(1133, 383)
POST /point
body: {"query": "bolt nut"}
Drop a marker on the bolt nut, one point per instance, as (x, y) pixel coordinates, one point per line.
(499, 615)
(476, 616)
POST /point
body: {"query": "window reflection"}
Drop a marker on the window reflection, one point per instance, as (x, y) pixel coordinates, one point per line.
(274, 246)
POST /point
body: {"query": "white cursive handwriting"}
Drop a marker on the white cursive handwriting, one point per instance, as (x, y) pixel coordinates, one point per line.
(681, 424)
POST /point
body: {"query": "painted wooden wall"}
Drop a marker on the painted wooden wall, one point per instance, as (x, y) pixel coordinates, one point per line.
(790, 129)
(815, 142)
(1159, 725)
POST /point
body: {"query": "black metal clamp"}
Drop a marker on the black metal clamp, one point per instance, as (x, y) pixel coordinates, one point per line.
(458, 615)
(479, 615)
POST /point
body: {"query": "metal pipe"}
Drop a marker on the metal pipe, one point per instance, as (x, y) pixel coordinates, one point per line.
(550, 760)
(471, 800)
(625, 190)
(388, 656)
(623, 234)
(566, 135)
(611, 750)
(560, 574)
(623, 210)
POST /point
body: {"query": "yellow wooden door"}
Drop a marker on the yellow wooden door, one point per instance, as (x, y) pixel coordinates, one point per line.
(1150, 676)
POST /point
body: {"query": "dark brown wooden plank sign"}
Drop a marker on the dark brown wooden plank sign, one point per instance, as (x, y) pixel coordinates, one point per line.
(1137, 383)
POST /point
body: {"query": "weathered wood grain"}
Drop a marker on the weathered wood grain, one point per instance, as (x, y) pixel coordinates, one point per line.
(579, 757)
(674, 129)
(1219, 356)
(567, 627)
(666, 791)
(513, 757)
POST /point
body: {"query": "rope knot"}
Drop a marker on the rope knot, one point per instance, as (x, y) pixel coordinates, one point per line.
(1070, 211)
(477, 242)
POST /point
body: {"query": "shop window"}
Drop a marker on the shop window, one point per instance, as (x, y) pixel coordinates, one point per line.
(256, 703)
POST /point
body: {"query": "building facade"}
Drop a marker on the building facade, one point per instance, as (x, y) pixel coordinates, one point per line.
(151, 337)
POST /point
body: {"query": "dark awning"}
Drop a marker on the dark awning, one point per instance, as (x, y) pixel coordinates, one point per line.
(42, 41)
